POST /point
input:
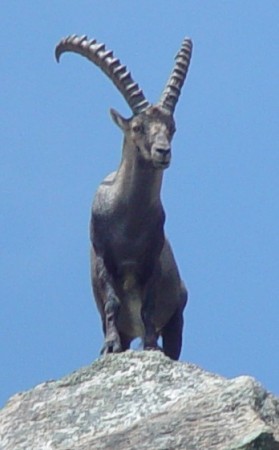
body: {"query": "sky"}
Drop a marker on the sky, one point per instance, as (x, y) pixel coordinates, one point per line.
(220, 193)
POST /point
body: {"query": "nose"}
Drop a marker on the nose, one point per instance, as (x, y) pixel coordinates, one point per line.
(163, 151)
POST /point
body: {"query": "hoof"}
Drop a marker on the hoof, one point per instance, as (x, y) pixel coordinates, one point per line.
(154, 348)
(111, 347)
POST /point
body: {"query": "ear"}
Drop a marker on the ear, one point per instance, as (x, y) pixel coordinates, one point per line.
(120, 121)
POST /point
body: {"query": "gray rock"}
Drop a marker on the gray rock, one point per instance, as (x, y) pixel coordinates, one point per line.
(142, 400)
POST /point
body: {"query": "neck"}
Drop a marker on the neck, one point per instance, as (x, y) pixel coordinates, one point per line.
(138, 180)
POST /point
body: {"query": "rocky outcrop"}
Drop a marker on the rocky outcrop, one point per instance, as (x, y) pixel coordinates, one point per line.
(142, 400)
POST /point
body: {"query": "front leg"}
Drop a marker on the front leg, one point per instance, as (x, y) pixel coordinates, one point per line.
(148, 314)
(112, 342)
(107, 302)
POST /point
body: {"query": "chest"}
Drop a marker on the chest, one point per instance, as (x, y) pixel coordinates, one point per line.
(129, 238)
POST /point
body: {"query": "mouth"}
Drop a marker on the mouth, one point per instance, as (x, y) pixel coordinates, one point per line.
(161, 164)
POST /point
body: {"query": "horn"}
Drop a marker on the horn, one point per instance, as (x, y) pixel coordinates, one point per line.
(110, 65)
(171, 93)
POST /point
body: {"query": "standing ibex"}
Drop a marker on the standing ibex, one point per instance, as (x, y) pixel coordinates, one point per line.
(135, 279)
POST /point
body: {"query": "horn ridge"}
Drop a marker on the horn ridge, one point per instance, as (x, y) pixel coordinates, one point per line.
(111, 66)
(172, 90)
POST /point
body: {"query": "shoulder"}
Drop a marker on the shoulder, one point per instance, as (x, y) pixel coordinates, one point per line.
(109, 180)
(104, 193)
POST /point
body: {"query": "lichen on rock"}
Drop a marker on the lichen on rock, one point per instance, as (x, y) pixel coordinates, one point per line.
(142, 400)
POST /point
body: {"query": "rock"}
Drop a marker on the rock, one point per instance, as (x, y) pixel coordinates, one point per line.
(142, 400)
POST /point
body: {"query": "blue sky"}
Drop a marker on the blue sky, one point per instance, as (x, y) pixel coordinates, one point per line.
(220, 193)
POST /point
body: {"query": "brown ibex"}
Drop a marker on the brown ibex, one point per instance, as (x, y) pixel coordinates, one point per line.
(135, 279)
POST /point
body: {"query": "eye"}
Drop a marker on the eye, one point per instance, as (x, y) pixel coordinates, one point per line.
(137, 128)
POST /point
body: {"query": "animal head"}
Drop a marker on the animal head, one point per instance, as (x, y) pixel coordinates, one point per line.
(149, 134)
(151, 128)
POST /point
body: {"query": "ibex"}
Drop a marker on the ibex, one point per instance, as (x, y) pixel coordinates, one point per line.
(136, 283)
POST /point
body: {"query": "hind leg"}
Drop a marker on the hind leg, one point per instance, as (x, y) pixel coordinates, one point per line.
(172, 331)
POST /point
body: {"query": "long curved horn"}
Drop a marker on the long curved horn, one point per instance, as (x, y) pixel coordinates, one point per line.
(174, 85)
(110, 65)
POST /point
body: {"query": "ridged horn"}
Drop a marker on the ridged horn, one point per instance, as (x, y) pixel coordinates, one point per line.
(110, 65)
(172, 91)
